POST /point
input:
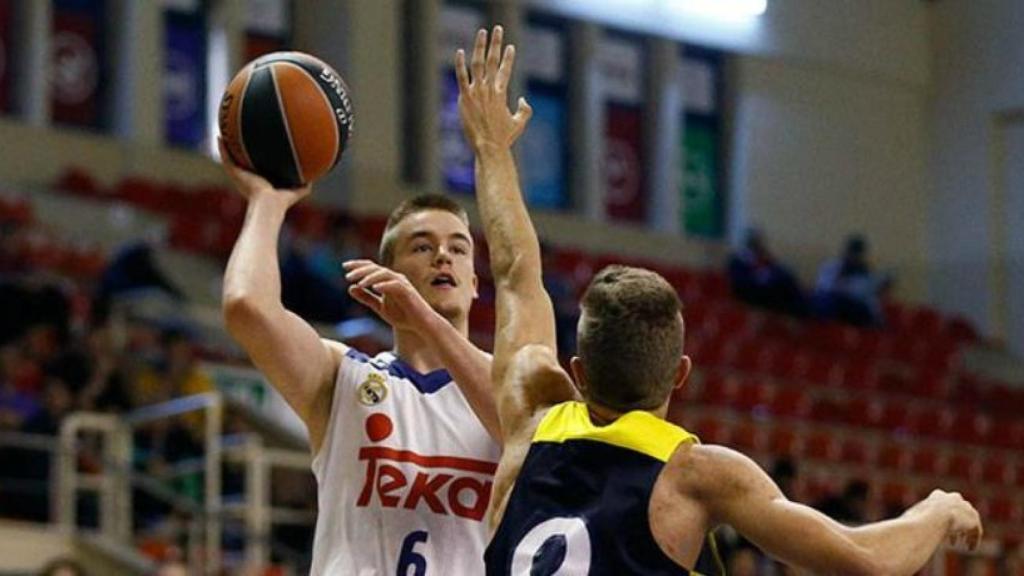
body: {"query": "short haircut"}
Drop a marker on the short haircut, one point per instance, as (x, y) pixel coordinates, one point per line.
(415, 205)
(630, 338)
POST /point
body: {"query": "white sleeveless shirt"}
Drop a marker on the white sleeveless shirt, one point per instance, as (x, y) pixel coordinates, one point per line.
(404, 475)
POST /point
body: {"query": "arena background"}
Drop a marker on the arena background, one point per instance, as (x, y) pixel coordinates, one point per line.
(133, 434)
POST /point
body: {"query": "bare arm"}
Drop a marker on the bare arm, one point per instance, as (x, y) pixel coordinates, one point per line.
(392, 297)
(525, 316)
(282, 345)
(734, 490)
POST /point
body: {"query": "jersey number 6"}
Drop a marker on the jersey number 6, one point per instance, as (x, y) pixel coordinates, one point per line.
(409, 558)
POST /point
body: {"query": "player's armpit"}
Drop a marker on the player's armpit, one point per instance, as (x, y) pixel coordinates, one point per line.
(532, 382)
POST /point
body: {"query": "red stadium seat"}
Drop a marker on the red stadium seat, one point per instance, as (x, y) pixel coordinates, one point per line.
(830, 410)
(752, 394)
(995, 470)
(747, 436)
(711, 431)
(783, 441)
(856, 450)
(1003, 509)
(926, 460)
(895, 493)
(820, 445)
(718, 390)
(893, 457)
(962, 466)
(791, 401)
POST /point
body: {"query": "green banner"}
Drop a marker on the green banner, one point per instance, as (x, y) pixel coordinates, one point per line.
(701, 182)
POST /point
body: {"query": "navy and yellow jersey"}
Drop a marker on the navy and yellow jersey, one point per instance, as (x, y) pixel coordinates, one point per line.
(579, 505)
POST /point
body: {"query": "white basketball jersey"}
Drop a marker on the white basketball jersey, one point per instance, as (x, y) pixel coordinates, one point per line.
(404, 474)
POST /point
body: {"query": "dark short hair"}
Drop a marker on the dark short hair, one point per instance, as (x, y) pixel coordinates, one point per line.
(415, 205)
(630, 338)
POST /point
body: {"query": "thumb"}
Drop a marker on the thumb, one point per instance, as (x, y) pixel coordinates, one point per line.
(524, 111)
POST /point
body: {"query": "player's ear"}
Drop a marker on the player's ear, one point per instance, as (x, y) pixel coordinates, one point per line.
(683, 372)
(476, 286)
(579, 378)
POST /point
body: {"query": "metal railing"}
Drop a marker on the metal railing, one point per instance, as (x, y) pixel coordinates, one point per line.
(113, 437)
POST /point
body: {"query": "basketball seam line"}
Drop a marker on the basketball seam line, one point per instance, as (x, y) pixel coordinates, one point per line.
(241, 126)
(330, 107)
(287, 126)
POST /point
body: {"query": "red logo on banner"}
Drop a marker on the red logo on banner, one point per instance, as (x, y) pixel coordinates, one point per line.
(75, 69)
(625, 197)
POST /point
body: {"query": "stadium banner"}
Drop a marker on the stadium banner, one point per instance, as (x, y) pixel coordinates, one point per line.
(621, 70)
(545, 147)
(543, 152)
(625, 198)
(701, 186)
(271, 18)
(702, 205)
(458, 27)
(5, 54)
(76, 62)
(185, 80)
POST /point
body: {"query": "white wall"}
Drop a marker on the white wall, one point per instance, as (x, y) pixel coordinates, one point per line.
(978, 70)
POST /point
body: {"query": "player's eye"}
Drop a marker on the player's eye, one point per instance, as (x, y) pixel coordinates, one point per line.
(421, 247)
(460, 250)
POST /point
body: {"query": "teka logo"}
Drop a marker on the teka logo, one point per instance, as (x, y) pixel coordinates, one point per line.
(444, 484)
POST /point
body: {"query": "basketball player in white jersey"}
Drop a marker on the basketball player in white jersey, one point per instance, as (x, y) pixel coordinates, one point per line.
(593, 481)
(404, 457)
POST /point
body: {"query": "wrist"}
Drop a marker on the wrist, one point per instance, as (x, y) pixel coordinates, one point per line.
(488, 150)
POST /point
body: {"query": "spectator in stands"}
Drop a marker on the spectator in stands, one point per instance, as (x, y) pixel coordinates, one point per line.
(848, 290)
(784, 474)
(16, 406)
(759, 279)
(849, 507)
(63, 567)
(133, 269)
(176, 374)
(308, 288)
(743, 561)
(97, 370)
(562, 290)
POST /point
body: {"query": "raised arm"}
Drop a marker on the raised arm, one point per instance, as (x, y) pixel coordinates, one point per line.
(392, 297)
(733, 490)
(282, 345)
(525, 316)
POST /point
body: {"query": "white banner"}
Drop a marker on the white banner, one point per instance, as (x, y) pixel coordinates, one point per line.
(698, 86)
(621, 68)
(543, 54)
(459, 25)
(271, 17)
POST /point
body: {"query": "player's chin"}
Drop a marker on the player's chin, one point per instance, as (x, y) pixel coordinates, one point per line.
(451, 305)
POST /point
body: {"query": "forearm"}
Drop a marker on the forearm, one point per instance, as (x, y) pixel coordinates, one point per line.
(469, 366)
(904, 544)
(253, 273)
(513, 243)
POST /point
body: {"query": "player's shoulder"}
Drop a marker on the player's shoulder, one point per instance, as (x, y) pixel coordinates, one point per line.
(708, 470)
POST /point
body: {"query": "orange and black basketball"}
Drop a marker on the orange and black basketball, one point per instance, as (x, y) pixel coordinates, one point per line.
(286, 116)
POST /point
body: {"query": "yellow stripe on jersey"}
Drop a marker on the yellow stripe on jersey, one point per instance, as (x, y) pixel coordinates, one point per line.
(638, 430)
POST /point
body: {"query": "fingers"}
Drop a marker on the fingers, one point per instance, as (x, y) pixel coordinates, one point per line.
(460, 71)
(504, 74)
(366, 298)
(494, 53)
(479, 54)
(375, 277)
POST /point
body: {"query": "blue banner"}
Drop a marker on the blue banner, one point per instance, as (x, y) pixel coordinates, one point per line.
(185, 81)
(543, 152)
(456, 155)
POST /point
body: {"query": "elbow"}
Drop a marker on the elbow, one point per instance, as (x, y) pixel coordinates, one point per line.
(240, 311)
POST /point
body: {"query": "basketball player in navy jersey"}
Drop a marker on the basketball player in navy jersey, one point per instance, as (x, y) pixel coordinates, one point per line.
(593, 480)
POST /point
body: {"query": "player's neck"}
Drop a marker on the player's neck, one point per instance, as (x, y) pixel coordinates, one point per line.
(421, 353)
(602, 415)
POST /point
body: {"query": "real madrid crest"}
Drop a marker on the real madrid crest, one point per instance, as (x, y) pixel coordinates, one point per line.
(373, 390)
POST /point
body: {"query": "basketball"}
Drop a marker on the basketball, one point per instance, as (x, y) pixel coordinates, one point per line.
(286, 116)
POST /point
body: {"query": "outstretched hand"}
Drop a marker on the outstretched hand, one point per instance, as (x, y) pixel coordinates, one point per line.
(483, 99)
(389, 294)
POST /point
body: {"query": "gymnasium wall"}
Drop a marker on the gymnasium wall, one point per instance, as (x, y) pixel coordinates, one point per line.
(828, 134)
(975, 163)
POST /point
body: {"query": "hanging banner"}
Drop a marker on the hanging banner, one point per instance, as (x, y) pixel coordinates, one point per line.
(75, 62)
(702, 206)
(543, 152)
(624, 164)
(701, 185)
(5, 51)
(185, 81)
(458, 29)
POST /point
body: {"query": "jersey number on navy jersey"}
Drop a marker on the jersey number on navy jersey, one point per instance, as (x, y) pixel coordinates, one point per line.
(555, 547)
